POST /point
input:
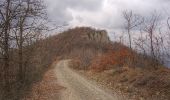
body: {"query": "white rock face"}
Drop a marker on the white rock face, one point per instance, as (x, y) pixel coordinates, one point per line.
(99, 36)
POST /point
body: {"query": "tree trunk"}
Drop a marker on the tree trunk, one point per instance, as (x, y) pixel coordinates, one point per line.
(6, 51)
(20, 53)
(130, 41)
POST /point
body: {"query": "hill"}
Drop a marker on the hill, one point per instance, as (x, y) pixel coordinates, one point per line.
(113, 64)
(80, 43)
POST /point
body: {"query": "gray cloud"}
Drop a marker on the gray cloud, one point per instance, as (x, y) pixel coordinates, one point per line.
(59, 9)
(102, 13)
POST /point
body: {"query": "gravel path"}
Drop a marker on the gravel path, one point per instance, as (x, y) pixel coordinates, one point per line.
(77, 87)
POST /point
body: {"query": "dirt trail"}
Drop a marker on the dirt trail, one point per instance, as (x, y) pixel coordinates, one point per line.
(77, 87)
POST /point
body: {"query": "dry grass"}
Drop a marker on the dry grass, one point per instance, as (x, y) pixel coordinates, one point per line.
(47, 89)
(135, 83)
(122, 69)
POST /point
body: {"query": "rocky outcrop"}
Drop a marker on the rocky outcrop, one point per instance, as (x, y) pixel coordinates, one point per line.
(99, 36)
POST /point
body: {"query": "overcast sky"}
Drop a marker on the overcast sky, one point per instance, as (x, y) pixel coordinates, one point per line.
(105, 14)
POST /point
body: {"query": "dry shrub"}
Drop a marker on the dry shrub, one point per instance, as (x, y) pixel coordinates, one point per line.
(47, 89)
(112, 58)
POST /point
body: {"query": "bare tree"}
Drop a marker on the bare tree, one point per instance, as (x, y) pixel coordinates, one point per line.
(27, 27)
(154, 37)
(168, 26)
(168, 23)
(21, 21)
(150, 28)
(131, 21)
(5, 17)
(168, 33)
(140, 44)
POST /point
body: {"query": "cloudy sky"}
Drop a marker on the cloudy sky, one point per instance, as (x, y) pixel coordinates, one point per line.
(105, 14)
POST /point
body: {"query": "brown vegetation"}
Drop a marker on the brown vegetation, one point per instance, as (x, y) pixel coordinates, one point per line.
(135, 83)
(38, 59)
(76, 44)
(121, 68)
(47, 89)
(19, 59)
(116, 57)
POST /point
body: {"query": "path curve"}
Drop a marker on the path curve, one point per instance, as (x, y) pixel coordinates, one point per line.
(78, 87)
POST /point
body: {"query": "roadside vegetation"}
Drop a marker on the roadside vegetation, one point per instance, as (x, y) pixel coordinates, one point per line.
(24, 53)
(115, 65)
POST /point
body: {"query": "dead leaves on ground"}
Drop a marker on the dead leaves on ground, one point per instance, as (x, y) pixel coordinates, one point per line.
(47, 89)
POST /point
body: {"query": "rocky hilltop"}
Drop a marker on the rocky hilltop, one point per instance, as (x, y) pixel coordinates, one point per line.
(90, 34)
(99, 36)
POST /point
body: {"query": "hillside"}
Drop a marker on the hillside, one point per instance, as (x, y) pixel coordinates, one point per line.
(80, 43)
(113, 64)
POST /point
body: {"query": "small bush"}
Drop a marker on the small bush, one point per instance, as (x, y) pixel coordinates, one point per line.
(110, 59)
